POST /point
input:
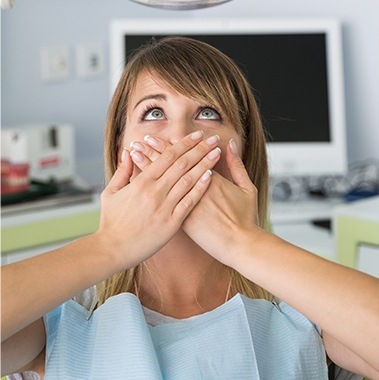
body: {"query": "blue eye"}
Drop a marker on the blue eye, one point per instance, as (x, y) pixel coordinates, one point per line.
(153, 114)
(209, 114)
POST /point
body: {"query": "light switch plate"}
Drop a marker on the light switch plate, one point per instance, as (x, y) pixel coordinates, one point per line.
(90, 60)
(55, 64)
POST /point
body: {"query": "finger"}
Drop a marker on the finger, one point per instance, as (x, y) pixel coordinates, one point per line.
(156, 143)
(139, 159)
(190, 180)
(236, 167)
(192, 198)
(122, 175)
(151, 148)
(188, 167)
(150, 152)
(175, 156)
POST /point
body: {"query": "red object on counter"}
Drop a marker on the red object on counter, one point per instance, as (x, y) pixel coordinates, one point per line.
(14, 177)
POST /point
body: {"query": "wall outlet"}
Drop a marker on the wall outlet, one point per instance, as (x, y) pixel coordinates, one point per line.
(55, 65)
(90, 60)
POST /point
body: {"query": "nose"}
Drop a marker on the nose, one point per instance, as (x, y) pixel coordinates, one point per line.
(179, 129)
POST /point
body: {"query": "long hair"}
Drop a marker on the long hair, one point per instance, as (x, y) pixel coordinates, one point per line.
(203, 73)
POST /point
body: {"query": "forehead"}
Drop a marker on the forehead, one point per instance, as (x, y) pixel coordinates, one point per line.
(150, 84)
(145, 79)
(147, 82)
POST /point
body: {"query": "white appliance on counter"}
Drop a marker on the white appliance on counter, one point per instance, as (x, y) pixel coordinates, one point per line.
(49, 150)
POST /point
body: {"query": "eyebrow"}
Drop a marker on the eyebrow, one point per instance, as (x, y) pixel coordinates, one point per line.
(152, 96)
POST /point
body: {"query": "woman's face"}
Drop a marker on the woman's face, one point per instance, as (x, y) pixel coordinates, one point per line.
(158, 111)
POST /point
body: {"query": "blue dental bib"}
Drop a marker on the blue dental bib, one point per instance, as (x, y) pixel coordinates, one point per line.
(241, 339)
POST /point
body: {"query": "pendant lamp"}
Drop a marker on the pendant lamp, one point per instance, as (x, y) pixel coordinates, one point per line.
(181, 4)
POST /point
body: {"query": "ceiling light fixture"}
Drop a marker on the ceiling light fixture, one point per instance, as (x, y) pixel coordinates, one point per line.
(181, 4)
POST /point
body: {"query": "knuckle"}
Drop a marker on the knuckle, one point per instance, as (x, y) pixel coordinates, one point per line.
(187, 202)
(186, 181)
(164, 147)
(203, 149)
(149, 153)
(187, 143)
(168, 155)
(239, 164)
(182, 163)
(142, 184)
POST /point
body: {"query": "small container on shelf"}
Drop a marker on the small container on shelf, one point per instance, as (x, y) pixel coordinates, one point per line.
(14, 164)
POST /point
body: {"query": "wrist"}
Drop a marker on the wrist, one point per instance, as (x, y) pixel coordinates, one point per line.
(249, 247)
(109, 251)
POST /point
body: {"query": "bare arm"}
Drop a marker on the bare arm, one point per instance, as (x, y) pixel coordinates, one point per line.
(342, 301)
(34, 286)
(37, 285)
(347, 359)
(20, 351)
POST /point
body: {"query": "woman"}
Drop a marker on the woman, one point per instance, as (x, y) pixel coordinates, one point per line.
(182, 233)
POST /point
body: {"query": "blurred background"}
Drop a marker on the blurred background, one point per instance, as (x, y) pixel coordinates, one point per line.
(33, 25)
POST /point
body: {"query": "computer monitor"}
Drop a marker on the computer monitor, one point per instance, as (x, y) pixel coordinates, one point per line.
(295, 67)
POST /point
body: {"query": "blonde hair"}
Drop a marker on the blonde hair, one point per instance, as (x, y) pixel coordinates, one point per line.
(200, 72)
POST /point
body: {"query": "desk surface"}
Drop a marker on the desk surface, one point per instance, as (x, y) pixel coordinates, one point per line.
(303, 210)
(27, 217)
(367, 209)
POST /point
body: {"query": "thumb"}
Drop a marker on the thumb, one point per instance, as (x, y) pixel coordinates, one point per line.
(123, 173)
(236, 167)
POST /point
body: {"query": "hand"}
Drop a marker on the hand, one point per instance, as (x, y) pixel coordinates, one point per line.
(226, 212)
(133, 213)
(227, 209)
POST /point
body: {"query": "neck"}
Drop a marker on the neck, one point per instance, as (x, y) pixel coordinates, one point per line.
(182, 280)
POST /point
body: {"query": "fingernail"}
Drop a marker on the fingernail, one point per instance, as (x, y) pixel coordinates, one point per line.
(123, 154)
(151, 141)
(212, 140)
(197, 135)
(233, 147)
(206, 176)
(137, 146)
(136, 157)
(212, 155)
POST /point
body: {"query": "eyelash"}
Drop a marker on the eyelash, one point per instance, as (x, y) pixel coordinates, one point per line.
(149, 107)
(213, 109)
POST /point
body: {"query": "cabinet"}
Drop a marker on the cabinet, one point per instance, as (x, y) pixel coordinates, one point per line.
(356, 228)
(353, 239)
(295, 221)
(26, 234)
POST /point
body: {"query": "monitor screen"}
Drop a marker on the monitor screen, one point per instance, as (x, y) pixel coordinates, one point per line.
(295, 70)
